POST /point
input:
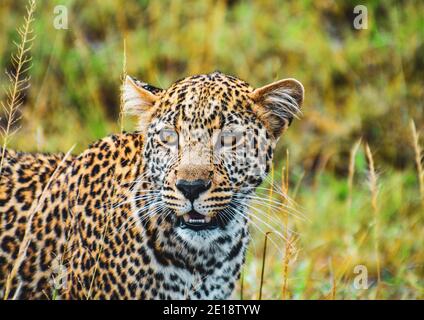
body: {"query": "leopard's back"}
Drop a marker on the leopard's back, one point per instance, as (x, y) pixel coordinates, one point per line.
(55, 206)
(23, 178)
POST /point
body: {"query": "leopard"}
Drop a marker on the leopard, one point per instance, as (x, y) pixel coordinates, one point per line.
(157, 213)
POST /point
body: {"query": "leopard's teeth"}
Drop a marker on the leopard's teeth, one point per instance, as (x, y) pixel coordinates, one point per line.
(187, 218)
(197, 221)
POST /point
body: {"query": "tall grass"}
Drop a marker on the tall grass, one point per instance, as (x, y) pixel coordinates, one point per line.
(18, 78)
(263, 264)
(123, 79)
(373, 185)
(418, 158)
(351, 174)
(289, 251)
(18, 83)
(333, 279)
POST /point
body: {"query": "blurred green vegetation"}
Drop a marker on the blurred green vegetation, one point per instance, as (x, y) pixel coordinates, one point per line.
(359, 83)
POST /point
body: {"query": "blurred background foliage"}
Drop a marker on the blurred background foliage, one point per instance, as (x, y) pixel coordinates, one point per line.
(365, 84)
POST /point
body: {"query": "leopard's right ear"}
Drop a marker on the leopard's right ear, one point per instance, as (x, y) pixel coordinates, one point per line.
(139, 98)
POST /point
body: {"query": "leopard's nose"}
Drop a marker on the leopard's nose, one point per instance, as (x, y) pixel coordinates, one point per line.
(191, 189)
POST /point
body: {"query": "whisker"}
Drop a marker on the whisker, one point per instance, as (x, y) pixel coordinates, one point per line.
(278, 209)
(260, 229)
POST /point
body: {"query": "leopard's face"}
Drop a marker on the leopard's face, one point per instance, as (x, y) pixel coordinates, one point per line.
(209, 142)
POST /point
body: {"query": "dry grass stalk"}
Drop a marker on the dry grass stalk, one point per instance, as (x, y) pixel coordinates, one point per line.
(123, 78)
(289, 244)
(270, 191)
(242, 285)
(287, 169)
(263, 265)
(288, 254)
(418, 158)
(333, 280)
(285, 176)
(351, 174)
(283, 181)
(18, 81)
(373, 185)
(285, 190)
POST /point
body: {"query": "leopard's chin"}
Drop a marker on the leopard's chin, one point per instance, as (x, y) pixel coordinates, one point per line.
(194, 230)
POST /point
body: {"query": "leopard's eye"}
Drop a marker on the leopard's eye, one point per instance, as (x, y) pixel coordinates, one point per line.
(228, 140)
(168, 137)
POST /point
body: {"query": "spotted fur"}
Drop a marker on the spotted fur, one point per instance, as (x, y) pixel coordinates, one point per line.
(104, 224)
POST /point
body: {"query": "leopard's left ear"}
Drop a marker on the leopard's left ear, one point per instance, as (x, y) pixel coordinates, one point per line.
(276, 104)
(139, 98)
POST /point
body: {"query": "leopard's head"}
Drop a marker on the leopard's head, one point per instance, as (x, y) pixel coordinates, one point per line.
(209, 142)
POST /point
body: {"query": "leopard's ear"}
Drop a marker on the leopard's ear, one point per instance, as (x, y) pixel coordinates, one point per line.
(276, 104)
(138, 99)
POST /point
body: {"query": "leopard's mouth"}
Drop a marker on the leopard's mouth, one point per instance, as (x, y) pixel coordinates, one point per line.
(198, 222)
